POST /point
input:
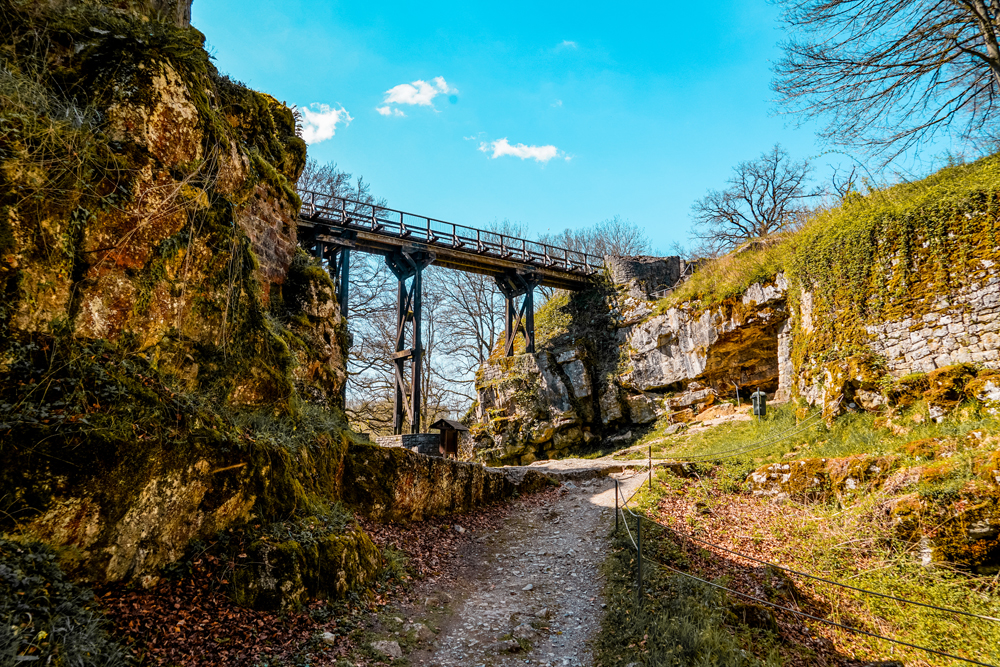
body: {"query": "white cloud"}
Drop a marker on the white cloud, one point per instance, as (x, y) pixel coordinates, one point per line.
(417, 93)
(502, 147)
(319, 122)
(567, 44)
(557, 103)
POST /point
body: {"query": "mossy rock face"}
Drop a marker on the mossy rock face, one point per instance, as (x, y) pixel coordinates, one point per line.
(946, 388)
(985, 389)
(964, 531)
(909, 389)
(169, 202)
(284, 575)
(392, 484)
(853, 476)
(819, 479)
(806, 479)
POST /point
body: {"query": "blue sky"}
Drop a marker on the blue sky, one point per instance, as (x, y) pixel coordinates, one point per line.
(552, 115)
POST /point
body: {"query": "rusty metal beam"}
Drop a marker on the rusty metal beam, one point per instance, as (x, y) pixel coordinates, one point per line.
(407, 266)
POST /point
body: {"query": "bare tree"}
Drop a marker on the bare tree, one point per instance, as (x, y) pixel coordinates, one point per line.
(764, 196)
(615, 236)
(887, 74)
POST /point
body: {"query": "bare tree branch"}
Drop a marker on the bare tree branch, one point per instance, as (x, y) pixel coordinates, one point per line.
(887, 75)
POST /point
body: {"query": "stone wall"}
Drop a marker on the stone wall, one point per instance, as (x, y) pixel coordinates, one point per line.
(397, 485)
(643, 274)
(962, 327)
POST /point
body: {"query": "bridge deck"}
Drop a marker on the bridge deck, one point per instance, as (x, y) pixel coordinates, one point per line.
(374, 229)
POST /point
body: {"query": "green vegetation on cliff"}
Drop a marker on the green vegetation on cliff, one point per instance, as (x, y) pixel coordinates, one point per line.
(885, 253)
(46, 619)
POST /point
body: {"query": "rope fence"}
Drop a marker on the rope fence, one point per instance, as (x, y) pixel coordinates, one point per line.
(620, 510)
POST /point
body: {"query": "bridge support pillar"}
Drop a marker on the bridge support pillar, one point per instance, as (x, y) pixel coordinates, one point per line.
(408, 266)
(514, 285)
(336, 252)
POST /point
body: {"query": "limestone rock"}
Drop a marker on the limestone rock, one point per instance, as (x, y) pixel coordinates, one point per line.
(986, 390)
(844, 478)
(568, 438)
(610, 404)
(682, 345)
(697, 399)
(641, 409)
(390, 649)
(422, 632)
(579, 379)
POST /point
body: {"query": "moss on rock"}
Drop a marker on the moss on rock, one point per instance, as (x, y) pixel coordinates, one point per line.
(391, 484)
(286, 574)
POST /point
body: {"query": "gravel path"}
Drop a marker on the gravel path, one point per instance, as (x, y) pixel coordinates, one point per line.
(531, 592)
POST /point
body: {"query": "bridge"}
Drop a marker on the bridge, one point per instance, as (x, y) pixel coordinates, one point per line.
(334, 226)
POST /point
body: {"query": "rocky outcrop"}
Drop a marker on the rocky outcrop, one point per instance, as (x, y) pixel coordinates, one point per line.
(577, 390)
(150, 279)
(818, 479)
(735, 343)
(964, 530)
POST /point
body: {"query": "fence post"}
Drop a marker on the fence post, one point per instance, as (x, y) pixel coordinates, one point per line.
(638, 537)
(616, 507)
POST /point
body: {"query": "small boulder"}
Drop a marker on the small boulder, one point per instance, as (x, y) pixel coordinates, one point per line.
(505, 646)
(423, 633)
(388, 648)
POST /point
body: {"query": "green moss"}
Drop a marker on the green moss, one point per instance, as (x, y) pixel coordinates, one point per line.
(728, 277)
(891, 254)
(552, 319)
(285, 574)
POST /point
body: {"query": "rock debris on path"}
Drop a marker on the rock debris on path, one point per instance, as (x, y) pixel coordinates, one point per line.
(534, 596)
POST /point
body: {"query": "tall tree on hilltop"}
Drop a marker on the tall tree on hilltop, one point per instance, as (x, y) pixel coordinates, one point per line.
(888, 74)
(764, 196)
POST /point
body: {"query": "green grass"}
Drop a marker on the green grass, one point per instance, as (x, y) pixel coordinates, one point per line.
(680, 622)
(856, 543)
(729, 276)
(783, 437)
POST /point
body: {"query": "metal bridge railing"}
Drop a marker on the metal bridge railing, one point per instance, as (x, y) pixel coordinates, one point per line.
(348, 213)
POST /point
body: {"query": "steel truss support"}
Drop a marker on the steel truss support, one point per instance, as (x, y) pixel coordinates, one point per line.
(514, 285)
(336, 252)
(408, 266)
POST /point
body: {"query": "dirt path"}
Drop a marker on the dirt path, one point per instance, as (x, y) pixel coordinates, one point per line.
(530, 593)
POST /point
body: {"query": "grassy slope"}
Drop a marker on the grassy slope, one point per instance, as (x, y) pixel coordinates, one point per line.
(944, 224)
(853, 543)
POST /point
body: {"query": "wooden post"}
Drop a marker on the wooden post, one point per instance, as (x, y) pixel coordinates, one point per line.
(638, 569)
(345, 274)
(529, 319)
(418, 352)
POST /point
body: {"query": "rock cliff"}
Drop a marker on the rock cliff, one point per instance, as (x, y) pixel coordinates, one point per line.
(886, 286)
(171, 363)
